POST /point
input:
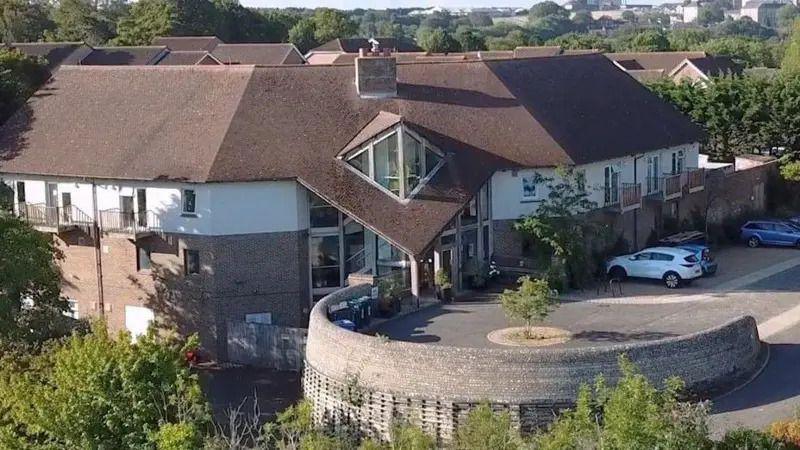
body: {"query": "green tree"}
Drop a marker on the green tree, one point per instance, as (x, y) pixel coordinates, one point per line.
(437, 40)
(648, 41)
(683, 39)
(583, 21)
(105, 392)
(302, 34)
(546, 8)
(20, 76)
(514, 39)
(24, 21)
(332, 24)
(531, 302)
(486, 430)
(631, 414)
(710, 13)
(560, 228)
(31, 306)
(786, 17)
(745, 27)
(147, 19)
(470, 39)
(480, 19)
(79, 20)
(581, 41)
(791, 59)
(550, 27)
(748, 51)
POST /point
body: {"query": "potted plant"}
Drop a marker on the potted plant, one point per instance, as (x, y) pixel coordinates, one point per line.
(444, 288)
(388, 291)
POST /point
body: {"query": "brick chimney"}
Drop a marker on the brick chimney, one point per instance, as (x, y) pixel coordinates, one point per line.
(376, 73)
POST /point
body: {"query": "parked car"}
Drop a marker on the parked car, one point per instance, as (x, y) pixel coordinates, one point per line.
(674, 266)
(771, 232)
(695, 242)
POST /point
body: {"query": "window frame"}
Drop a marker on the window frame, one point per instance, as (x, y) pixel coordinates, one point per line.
(20, 192)
(400, 130)
(185, 212)
(533, 178)
(186, 254)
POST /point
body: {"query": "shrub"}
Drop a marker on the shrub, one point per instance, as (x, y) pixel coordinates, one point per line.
(177, 436)
(404, 437)
(486, 430)
(744, 439)
(787, 431)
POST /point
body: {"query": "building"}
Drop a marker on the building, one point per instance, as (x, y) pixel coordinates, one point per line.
(763, 12)
(691, 11)
(678, 66)
(165, 51)
(328, 52)
(197, 195)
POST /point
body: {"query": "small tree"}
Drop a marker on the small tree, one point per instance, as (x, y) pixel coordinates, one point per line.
(531, 302)
(561, 225)
(486, 430)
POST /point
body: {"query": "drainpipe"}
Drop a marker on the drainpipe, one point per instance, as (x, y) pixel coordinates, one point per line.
(98, 252)
(636, 211)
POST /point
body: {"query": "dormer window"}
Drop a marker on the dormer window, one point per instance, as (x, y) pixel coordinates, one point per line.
(398, 160)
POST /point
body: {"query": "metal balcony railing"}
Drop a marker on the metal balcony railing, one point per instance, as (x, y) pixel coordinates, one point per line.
(53, 218)
(129, 222)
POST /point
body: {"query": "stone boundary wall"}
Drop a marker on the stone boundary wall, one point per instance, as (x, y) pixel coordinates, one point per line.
(369, 382)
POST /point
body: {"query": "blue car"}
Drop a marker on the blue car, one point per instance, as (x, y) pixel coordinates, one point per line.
(771, 232)
(703, 254)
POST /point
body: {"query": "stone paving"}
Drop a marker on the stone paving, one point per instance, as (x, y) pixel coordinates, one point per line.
(767, 291)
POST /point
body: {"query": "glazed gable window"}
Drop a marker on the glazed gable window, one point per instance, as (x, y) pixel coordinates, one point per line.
(398, 160)
(189, 201)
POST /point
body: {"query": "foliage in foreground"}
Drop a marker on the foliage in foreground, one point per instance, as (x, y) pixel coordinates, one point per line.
(98, 391)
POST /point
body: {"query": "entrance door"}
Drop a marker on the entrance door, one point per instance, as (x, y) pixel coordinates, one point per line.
(126, 211)
(652, 174)
(66, 207)
(51, 201)
(141, 207)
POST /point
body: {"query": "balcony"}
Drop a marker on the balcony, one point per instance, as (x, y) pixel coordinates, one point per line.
(625, 198)
(631, 196)
(695, 179)
(138, 224)
(667, 187)
(54, 219)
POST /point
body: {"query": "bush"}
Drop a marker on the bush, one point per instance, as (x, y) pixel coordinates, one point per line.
(787, 431)
(404, 437)
(744, 439)
(486, 430)
(177, 436)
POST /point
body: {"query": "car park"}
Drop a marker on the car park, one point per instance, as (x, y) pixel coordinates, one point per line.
(770, 232)
(672, 265)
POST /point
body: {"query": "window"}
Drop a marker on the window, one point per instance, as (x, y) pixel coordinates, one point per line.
(646, 256)
(189, 201)
(325, 261)
(387, 170)
(529, 187)
(191, 262)
(398, 161)
(142, 259)
(469, 215)
(678, 162)
(73, 309)
(20, 192)
(652, 174)
(611, 185)
(662, 257)
(322, 214)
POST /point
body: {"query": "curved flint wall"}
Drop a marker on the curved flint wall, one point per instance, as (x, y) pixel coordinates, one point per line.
(369, 382)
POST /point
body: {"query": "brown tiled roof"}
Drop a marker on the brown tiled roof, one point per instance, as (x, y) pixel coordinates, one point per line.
(644, 75)
(182, 58)
(55, 53)
(188, 43)
(665, 61)
(212, 124)
(537, 52)
(352, 45)
(124, 56)
(382, 122)
(261, 54)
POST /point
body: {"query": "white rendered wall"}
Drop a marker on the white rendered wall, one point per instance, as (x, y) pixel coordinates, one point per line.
(508, 202)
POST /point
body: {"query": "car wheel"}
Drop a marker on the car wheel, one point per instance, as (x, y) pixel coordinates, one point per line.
(617, 273)
(753, 242)
(672, 280)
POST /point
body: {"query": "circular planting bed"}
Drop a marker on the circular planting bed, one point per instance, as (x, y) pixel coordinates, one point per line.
(540, 336)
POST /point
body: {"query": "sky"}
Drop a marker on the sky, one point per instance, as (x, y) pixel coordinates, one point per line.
(385, 4)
